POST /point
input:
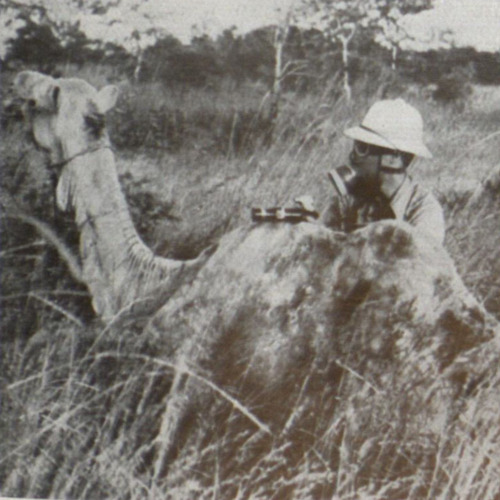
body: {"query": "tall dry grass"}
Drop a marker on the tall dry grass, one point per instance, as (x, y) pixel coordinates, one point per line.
(81, 402)
(85, 410)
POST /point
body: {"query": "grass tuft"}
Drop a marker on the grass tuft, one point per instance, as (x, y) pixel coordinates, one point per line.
(82, 405)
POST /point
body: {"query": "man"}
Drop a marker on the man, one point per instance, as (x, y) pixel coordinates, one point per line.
(376, 184)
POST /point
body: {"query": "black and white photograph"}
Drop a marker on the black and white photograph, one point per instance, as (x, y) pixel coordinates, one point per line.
(250, 249)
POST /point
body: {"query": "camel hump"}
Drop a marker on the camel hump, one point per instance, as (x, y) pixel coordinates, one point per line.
(276, 270)
(293, 319)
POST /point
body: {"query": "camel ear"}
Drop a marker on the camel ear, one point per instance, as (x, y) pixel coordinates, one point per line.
(53, 97)
(106, 98)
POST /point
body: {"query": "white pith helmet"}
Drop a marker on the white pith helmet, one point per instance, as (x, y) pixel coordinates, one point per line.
(392, 124)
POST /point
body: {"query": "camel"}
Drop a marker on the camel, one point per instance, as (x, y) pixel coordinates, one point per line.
(67, 118)
(274, 311)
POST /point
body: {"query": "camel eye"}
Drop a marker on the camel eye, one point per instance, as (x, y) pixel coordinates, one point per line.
(31, 103)
(95, 123)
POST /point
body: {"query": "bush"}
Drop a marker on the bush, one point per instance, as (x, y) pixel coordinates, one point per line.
(33, 275)
(155, 117)
(454, 87)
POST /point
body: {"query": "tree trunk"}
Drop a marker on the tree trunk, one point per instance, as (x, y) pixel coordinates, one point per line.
(138, 66)
(394, 57)
(345, 67)
(279, 44)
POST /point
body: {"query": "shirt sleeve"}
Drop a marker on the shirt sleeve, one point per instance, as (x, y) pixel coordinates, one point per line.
(428, 218)
(332, 216)
(336, 214)
(422, 211)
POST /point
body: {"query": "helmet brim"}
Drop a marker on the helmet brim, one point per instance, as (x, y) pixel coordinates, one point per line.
(364, 135)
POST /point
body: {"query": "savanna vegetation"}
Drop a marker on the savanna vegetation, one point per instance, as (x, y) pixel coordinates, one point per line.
(198, 145)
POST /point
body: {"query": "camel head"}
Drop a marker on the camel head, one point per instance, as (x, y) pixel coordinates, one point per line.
(66, 118)
(66, 115)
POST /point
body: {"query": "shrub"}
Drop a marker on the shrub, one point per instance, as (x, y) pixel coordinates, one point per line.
(454, 87)
(155, 117)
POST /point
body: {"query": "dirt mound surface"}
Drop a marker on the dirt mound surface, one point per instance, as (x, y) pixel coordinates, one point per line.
(285, 325)
(298, 363)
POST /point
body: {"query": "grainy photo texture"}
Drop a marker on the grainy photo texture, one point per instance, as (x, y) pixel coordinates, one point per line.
(250, 250)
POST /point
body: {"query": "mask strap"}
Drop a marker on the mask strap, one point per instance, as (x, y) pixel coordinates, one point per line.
(392, 171)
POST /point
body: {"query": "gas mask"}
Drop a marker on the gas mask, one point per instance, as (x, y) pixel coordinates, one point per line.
(349, 182)
(362, 178)
(344, 180)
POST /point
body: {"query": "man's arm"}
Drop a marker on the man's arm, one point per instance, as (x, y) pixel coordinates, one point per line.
(334, 215)
(421, 210)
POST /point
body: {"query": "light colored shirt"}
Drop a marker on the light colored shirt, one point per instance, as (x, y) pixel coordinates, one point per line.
(410, 203)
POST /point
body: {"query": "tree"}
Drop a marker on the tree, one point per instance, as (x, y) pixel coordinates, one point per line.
(135, 25)
(41, 32)
(391, 31)
(172, 62)
(132, 24)
(10, 23)
(17, 16)
(342, 20)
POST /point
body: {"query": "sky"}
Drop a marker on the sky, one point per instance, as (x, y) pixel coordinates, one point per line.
(474, 23)
(185, 18)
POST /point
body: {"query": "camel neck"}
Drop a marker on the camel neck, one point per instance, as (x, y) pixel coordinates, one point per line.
(117, 266)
